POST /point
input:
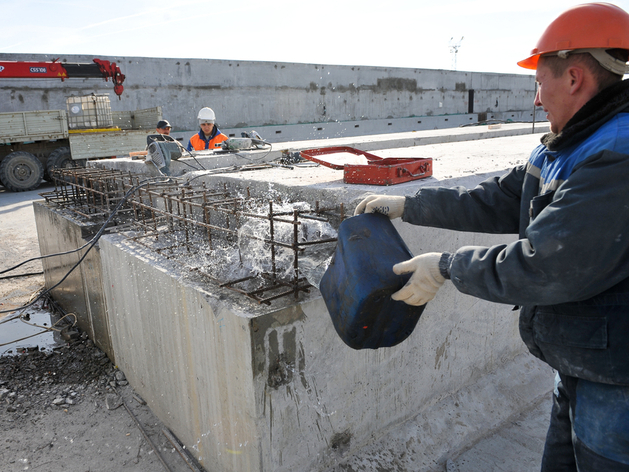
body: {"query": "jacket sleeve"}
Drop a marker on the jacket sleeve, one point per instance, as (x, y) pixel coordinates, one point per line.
(576, 246)
(491, 207)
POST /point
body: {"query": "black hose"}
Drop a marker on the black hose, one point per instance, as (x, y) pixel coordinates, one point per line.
(90, 244)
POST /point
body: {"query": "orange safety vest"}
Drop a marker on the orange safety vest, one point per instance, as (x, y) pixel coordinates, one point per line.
(199, 143)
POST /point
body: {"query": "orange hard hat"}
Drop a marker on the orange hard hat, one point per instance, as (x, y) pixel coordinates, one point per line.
(587, 26)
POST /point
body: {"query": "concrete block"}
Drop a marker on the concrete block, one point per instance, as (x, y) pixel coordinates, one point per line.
(274, 389)
(81, 292)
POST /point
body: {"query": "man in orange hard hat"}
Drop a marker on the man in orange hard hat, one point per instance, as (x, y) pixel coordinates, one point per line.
(569, 269)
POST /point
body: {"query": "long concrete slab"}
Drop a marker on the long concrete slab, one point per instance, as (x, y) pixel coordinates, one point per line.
(289, 100)
(396, 141)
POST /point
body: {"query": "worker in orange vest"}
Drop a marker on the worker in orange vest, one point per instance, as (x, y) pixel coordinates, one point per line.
(209, 136)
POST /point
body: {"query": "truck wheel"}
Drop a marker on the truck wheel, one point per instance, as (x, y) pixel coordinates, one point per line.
(21, 171)
(60, 158)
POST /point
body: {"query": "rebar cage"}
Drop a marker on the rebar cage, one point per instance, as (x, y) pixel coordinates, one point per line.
(263, 248)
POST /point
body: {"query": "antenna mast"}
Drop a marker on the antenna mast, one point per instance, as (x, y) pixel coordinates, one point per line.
(454, 49)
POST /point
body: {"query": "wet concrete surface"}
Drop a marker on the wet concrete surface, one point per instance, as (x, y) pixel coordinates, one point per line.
(517, 446)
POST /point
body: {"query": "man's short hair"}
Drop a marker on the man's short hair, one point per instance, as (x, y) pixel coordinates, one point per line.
(604, 78)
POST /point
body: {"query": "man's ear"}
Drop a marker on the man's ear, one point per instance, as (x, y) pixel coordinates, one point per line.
(576, 76)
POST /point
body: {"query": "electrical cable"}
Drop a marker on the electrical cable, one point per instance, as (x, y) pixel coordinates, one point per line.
(41, 257)
(195, 160)
(71, 251)
(45, 329)
(257, 159)
(90, 243)
(51, 328)
(189, 165)
(181, 146)
(33, 297)
(28, 274)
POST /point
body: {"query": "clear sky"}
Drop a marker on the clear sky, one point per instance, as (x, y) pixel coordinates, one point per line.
(390, 33)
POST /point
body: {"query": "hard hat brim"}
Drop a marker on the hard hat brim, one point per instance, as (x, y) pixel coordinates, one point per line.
(530, 62)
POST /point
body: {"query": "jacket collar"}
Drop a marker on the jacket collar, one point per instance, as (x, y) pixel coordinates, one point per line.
(215, 131)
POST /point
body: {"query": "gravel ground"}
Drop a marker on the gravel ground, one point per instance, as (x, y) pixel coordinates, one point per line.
(65, 408)
(69, 409)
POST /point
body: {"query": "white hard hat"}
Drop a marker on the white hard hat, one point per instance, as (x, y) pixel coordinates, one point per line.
(206, 115)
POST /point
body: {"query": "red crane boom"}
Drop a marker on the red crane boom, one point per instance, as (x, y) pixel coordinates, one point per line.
(66, 70)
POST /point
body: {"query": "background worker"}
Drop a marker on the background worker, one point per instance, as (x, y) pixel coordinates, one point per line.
(569, 269)
(163, 127)
(209, 136)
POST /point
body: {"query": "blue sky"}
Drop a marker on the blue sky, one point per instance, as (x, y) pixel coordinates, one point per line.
(393, 33)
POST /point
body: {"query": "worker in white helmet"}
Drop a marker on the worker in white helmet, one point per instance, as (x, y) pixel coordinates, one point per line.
(209, 136)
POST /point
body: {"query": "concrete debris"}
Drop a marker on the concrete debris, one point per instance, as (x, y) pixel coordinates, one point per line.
(113, 401)
(36, 380)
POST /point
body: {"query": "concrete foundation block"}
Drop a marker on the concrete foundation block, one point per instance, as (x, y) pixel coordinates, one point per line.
(81, 292)
(256, 388)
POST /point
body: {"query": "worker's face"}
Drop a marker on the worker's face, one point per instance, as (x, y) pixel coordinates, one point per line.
(553, 94)
(207, 128)
(163, 130)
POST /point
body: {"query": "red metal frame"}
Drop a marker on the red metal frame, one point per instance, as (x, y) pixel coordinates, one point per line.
(313, 155)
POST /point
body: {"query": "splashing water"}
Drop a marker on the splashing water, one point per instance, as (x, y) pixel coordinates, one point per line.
(249, 253)
(313, 260)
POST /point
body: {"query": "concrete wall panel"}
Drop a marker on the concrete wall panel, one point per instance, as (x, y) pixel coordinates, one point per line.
(248, 94)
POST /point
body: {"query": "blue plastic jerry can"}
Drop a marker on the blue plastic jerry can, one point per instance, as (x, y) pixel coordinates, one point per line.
(359, 282)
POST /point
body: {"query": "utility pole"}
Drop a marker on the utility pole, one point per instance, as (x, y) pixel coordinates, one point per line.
(454, 49)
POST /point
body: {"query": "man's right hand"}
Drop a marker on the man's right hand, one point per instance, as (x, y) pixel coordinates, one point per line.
(391, 206)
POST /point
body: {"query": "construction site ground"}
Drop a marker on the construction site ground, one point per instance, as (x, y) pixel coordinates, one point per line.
(70, 409)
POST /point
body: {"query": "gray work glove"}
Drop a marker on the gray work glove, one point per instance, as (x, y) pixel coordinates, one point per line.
(391, 206)
(425, 281)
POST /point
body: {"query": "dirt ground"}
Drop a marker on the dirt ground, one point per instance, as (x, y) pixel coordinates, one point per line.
(65, 407)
